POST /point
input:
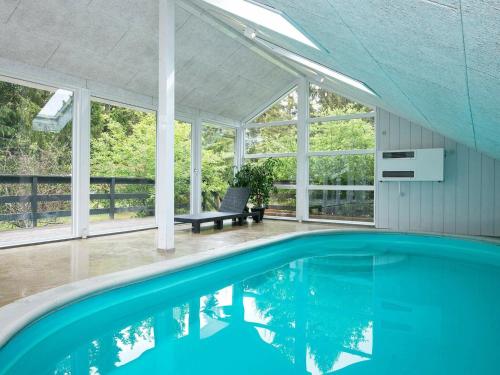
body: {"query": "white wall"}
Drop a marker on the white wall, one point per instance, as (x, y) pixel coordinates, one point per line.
(467, 202)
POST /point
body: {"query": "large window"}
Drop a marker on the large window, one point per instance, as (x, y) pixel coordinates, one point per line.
(283, 201)
(324, 103)
(341, 158)
(122, 167)
(282, 110)
(35, 159)
(355, 134)
(218, 163)
(267, 138)
(341, 170)
(343, 205)
(182, 167)
(271, 139)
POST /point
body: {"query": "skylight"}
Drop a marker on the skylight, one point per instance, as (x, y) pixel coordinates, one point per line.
(56, 113)
(262, 16)
(318, 68)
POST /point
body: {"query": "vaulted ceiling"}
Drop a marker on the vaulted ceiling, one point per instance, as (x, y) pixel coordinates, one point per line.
(115, 42)
(436, 62)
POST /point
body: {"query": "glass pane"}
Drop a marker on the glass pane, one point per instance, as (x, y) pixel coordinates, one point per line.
(324, 103)
(122, 167)
(218, 150)
(283, 110)
(271, 139)
(357, 134)
(286, 170)
(35, 160)
(341, 205)
(182, 167)
(282, 203)
(342, 170)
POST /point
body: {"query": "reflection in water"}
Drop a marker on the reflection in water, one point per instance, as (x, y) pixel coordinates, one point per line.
(288, 320)
(382, 314)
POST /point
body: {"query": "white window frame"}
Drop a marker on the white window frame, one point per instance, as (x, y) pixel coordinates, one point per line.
(302, 155)
(237, 153)
(317, 120)
(258, 125)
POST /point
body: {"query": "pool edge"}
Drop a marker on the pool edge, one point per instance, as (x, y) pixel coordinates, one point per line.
(20, 313)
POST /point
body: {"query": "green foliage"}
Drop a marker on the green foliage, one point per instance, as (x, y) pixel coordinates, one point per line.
(324, 103)
(260, 178)
(284, 109)
(272, 139)
(182, 168)
(123, 144)
(218, 147)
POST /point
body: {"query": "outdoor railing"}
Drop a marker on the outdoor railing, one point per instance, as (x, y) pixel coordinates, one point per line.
(34, 198)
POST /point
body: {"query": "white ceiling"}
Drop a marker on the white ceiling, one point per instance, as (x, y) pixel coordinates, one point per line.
(115, 42)
(436, 62)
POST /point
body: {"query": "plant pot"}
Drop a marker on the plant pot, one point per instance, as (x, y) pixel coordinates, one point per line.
(260, 210)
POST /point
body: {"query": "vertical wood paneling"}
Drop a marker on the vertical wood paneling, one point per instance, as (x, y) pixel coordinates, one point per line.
(467, 202)
(426, 192)
(404, 201)
(393, 186)
(462, 190)
(437, 192)
(474, 219)
(497, 198)
(382, 129)
(415, 187)
(450, 181)
(487, 196)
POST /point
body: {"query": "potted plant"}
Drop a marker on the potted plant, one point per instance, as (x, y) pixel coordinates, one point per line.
(260, 178)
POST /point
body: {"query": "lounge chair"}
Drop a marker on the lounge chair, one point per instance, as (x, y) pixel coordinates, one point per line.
(232, 207)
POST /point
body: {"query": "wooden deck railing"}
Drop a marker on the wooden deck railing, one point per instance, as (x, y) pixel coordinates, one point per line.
(34, 198)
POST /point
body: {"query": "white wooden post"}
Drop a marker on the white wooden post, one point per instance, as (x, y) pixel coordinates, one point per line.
(302, 197)
(165, 126)
(240, 146)
(196, 165)
(80, 181)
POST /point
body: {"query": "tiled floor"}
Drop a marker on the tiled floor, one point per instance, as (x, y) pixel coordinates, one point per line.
(31, 269)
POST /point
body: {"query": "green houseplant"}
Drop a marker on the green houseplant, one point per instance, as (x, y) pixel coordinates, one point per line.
(260, 178)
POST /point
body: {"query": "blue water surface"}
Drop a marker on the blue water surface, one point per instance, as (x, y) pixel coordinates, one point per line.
(327, 303)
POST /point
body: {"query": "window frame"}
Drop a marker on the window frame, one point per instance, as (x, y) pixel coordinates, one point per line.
(247, 156)
(310, 120)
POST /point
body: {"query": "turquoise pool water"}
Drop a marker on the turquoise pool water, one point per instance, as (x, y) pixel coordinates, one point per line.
(330, 303)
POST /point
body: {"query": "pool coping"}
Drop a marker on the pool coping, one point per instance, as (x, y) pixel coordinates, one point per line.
(22, 312)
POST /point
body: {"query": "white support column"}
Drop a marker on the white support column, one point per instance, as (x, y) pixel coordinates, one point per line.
(302, 146)
(80, 181)
(239, 156)
(165, 126)
(196, 165)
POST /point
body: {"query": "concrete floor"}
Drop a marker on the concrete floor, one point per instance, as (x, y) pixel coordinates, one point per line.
(31, 269)
(63, 231)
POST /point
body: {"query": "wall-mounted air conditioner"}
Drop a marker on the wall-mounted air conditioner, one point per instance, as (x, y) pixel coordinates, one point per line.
(425, 164)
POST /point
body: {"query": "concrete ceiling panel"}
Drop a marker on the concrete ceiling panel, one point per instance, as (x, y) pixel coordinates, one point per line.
(249, 65)
(485, 102)
(7, 7)
(143, 13)
(482, 35)
(88, 65)
(69, 21)
(18, 44)
(135, 48)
